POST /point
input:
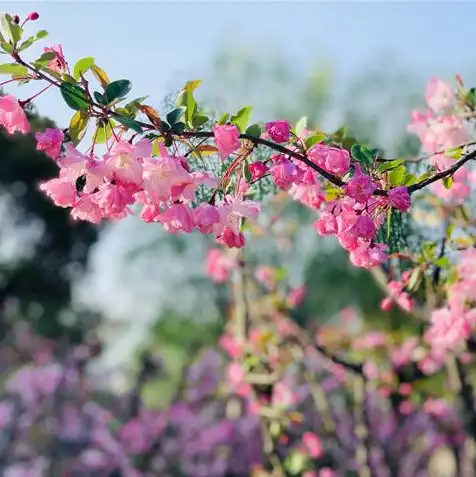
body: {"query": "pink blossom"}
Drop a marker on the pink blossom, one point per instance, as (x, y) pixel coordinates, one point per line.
(326, 224)
(284, 172)
(312, 444)
(386, 304)
(296, 296)
(337, 161)
(279, 131)
(368, 256)
(266, 276)
(33, 16)
(364, 227)
(230, 238)
(219, 265)
(12, 116)
(327, 472)
(177, 218)
(439, 95)
(399, 198)
(360, 187)
(257, 170)
(111, 199)
(123, 162)
(160, 175)
(206, 216)
(227, 138)
(333, 160)
(50, 142)
(448, 330)
(58, 63)
(60, 190)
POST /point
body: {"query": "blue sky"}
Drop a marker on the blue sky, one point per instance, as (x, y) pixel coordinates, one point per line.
(151, 43)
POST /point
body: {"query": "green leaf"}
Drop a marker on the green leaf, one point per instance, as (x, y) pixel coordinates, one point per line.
(100, 98)
(429, 250)
(314, 139)
(41, 34)
(100, 75)
(175, 115)
(131, 107)
(388, 165)
(129, 123)
(178, 128)
(223, 119)
(186, 99)
(44, 59)
(198, 121)
(300, 126)
(77, 126)
(339, 135)
(7, 47)
(13, 69)
(117, 89)
(241, 118)
(448, 182)
(389, 223)
(74, 96)
(69, 79)
(360, 155)
(449, 230)
(14, 31)
(82, 65)
(52, 73)
(247, 173)
(27, 43)
(103, 132)
(443, 262)
(254, 130)
(396, 176)
(415, 279)
(454, 152)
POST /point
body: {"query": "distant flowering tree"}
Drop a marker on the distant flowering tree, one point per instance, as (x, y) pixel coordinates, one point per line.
(335, 403)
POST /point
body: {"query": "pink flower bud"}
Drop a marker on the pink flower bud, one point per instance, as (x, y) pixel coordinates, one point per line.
(279, 131)
(227, 138)
(386, 304)
(360, 187)
(257, 170)
(33, 16)
(399, 198)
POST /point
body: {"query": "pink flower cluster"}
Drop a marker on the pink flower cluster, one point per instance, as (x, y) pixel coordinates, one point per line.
(129, 174)
(398, 295)
(453, 324)
(440, 129)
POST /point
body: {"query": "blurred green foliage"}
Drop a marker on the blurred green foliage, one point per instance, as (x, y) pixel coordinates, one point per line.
(39, 279)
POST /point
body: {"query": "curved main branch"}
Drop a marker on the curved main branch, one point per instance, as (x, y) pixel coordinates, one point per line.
(271, 145)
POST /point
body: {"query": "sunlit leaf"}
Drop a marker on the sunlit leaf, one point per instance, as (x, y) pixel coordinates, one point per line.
(100, 75)
(241, 118)
(13, 69)
(78, 126)
(314, 139)
(396, 176)
(41, 34)
(82, 65)
(103, 132)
